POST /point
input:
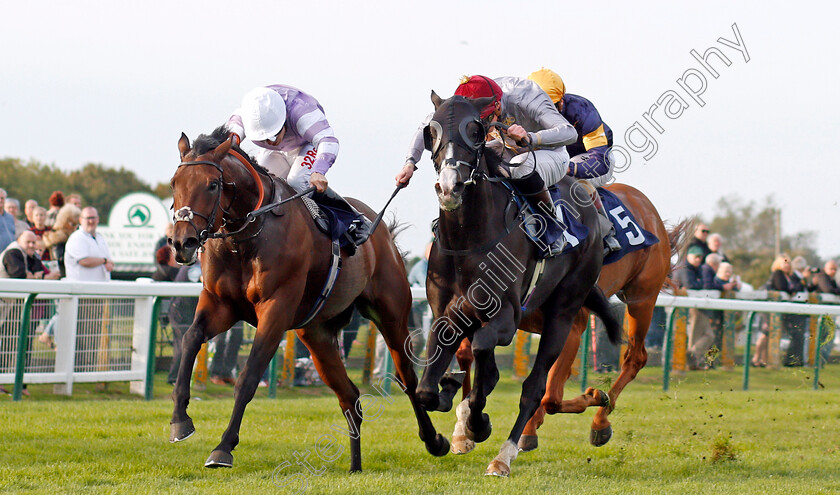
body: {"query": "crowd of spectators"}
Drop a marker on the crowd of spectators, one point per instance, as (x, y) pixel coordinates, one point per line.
(706, 267)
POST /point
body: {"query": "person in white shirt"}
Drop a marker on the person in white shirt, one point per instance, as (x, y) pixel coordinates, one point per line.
(86, 255)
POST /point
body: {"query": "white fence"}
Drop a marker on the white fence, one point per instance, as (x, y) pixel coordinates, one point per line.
(103, 331)
(106, 331)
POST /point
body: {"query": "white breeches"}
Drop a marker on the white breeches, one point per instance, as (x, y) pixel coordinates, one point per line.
(551, 166)
(295, 166)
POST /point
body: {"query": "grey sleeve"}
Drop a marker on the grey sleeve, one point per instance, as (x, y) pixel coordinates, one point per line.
(557, 131)
(417, 146)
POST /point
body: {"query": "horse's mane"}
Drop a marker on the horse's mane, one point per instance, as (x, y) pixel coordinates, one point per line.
(208, 142)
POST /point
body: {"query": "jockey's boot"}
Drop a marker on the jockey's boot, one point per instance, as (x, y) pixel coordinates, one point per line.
(541, 202)
(359, 230)
(606, 226)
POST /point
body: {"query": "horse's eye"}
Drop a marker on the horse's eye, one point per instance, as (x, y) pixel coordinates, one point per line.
(213, 186)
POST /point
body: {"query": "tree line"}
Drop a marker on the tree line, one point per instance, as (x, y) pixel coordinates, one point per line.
(749, 231)
(97, 184)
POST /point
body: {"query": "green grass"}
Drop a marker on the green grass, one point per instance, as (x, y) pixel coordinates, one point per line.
(704, 435)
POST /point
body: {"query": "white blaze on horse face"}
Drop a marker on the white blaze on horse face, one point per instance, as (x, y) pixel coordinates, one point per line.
(448, 179)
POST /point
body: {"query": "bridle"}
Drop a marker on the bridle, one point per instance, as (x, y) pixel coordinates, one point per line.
(186, 213)
(477, 149)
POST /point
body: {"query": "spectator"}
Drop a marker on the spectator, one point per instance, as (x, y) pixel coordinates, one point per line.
(56, 201)
(715, 243)
(226, 355)
(55, 239)
(13, 208)
(783, 279)
(824, 280)
(700, 334)
(75, 199)
(19, 260)
(181, 315)
(87, 255)
(699, 240)
(802, 272)
(709, 270)
(420, 311)
(39, 228)
(28, 208)
(724, 279)
(167, 269)
(7, 223)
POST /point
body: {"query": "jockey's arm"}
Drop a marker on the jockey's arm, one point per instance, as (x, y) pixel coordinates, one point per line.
(415, 152)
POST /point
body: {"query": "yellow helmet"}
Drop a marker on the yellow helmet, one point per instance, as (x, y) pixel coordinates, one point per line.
(550, 82)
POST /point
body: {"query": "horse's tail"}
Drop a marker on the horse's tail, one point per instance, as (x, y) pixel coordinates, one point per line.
(677, 238)
(395, 228)
(597, 302)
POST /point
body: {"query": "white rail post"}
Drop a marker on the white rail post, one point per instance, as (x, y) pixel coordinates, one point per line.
(140, 342)
(65, 343)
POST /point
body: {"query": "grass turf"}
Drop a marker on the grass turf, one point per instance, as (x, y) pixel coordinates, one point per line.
(704, 435)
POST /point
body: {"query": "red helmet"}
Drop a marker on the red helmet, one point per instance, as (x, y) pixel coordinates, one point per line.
(480, 87)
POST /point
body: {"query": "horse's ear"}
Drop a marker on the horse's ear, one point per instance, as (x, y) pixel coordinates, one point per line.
(184, 145)
(436, 100)
(221, 151)
(482, 103)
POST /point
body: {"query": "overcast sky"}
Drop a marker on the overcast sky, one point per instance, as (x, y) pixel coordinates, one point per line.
(101, 82)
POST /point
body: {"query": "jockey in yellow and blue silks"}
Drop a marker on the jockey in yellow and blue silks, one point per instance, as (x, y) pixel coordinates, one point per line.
(589, 155)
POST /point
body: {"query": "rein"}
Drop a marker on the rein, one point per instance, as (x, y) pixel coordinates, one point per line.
(186, 214)
(473, 178)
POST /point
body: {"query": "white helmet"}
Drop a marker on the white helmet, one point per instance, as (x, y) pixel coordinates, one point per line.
(263, 114)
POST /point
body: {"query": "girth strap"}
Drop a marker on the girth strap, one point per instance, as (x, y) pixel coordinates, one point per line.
(335, 268)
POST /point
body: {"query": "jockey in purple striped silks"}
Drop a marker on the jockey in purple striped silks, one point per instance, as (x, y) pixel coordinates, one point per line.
(296, 141)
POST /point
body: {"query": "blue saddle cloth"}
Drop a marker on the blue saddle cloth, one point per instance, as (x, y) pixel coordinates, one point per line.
(628, 232)
(340, 221)
(566, 225)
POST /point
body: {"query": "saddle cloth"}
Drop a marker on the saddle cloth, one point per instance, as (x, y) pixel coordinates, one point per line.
(627, 231)
(331, 221)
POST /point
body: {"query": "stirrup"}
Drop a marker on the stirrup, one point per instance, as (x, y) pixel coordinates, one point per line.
(611, 244)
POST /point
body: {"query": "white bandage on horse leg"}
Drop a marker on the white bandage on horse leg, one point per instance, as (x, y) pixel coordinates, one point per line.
(500, 466)
(462, 442)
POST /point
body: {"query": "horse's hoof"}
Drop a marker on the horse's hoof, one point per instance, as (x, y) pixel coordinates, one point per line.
(440, 446)
(484, 433)
(462, 445)
(528, 443)
(497, 468)
(600, 438)
(605, 400)
(219, 459)
(179, 432)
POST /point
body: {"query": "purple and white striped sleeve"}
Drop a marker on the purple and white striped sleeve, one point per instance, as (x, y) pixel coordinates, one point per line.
(234, 124)
(313, 126)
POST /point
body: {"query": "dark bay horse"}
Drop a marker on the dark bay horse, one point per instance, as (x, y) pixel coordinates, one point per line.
(271, 272)
(637, 278)
(480, 269)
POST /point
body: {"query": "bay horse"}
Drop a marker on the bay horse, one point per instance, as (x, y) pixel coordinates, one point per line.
(480, 269)
(271, 270)
(637, 278)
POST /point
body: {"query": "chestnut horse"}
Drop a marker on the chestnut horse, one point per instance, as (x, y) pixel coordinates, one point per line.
(637, 278)
(480, 271)
(270, 270)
